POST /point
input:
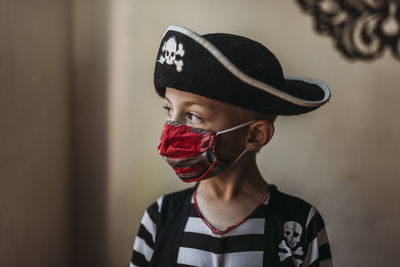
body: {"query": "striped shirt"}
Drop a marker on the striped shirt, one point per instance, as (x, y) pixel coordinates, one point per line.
(240, 245)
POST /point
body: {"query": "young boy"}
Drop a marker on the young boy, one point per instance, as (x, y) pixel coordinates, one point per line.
(222, 94)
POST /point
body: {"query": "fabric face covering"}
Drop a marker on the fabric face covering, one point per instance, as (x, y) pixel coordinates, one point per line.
(191, 151)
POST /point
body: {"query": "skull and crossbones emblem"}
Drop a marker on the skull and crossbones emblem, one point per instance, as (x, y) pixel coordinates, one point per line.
(292, 233)
(170, 50)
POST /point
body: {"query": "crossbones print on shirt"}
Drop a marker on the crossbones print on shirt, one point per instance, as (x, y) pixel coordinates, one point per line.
(292, 233)
(170, 50)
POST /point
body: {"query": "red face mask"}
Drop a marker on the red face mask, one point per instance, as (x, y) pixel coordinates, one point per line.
(191, 151)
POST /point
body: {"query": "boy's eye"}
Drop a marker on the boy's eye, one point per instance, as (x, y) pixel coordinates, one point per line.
(193, 117)
(168, 110)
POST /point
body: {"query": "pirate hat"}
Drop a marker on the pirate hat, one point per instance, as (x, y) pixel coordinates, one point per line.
(235, 70)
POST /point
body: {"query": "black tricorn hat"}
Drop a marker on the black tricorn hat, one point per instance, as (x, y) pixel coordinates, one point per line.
(235, 70)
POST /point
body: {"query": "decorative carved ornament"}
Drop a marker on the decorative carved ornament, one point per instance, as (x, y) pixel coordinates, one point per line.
(360, 29)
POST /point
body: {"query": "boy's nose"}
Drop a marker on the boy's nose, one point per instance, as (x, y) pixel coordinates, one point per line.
(178, 117)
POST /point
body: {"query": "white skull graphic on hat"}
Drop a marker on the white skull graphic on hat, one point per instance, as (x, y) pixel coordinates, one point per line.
(169, 51)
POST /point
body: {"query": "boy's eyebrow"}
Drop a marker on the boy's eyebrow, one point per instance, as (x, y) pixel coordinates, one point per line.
(189, 103)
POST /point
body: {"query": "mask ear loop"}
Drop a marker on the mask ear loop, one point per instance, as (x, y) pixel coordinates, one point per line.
(236, 127)
(239, 157)
(232, 129)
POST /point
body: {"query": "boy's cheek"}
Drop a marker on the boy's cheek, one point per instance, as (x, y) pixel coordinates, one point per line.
(229, 146)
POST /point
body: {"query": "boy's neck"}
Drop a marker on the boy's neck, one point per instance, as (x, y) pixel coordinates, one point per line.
(240, 180)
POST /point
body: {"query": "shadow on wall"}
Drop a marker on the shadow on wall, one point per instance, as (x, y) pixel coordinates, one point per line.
(53, 123)
(89, 124)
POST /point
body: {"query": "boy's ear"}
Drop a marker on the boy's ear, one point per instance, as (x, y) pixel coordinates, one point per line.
(259, 134)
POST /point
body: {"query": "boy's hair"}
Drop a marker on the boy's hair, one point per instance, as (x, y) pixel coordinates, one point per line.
(246, 114)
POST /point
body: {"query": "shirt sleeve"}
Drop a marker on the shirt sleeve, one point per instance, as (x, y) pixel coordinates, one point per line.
(316, 241)
(145, 239)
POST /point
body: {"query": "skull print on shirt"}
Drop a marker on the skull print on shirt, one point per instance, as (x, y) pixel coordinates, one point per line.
(292, 234)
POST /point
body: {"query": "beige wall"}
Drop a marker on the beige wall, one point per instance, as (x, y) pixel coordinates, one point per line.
(34, 133)
(53, 122)
(342, 158)
(80, 120)
(89, 58)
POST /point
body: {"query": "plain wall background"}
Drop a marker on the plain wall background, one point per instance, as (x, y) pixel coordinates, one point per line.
(53, 125)
(80, 121)
(35, 216)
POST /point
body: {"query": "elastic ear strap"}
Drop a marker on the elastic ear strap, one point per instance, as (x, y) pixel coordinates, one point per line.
(236, 127)
(239, 157)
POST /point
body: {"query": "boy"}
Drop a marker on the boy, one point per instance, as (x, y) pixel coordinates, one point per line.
(222, 94)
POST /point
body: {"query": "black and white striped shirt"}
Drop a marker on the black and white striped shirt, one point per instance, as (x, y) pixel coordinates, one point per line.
(239, 245)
